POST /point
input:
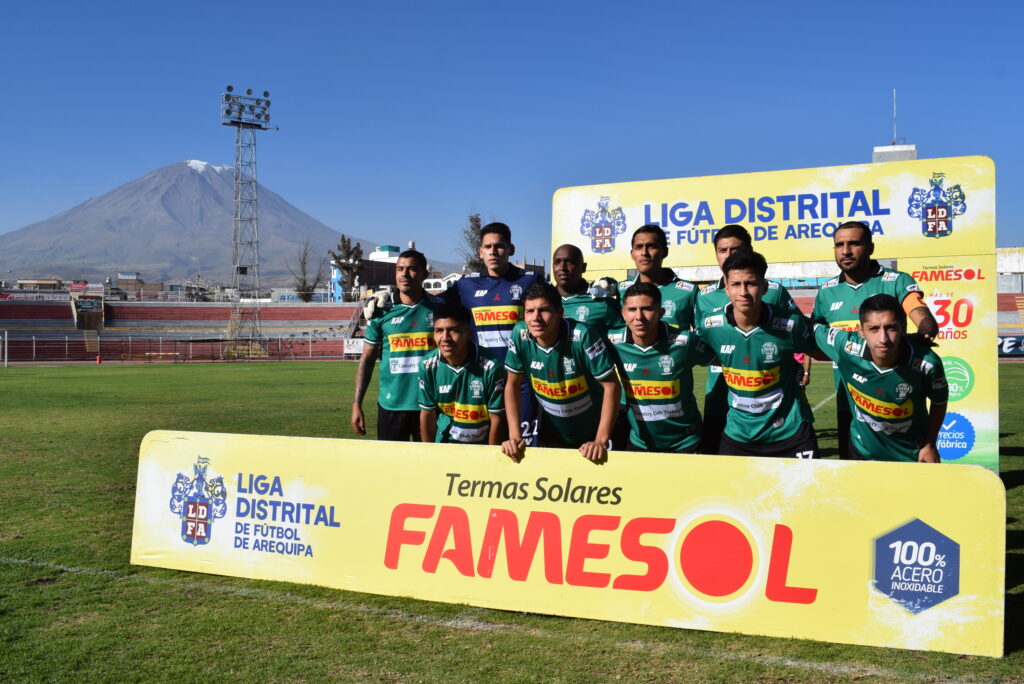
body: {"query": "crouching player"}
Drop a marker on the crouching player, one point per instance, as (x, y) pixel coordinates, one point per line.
(889, 379)
(462, 382)
(571, 373)
(755, 342)
(657, 375)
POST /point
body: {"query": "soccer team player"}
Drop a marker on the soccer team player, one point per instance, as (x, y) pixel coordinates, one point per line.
(495, 297)
(519, 343)
(838, 300)
(712, 300)
(462, 385)
(399, 331)
(888, 378)
(570, 372)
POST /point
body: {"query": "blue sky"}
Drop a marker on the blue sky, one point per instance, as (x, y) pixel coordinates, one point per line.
(398, 119)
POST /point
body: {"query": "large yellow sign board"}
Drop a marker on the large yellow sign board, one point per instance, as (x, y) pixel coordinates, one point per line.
(884, 554)
(935, 217)
(922, 208)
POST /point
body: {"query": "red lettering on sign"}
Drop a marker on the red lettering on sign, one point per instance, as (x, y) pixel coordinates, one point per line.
(580, 549)
(520, 551)
(652, 556)
(778, 571)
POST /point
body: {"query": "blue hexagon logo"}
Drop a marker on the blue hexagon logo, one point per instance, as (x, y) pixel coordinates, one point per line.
(917, 566)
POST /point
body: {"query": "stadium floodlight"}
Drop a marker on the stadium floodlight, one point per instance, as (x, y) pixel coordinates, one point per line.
(247, 114)
(245, 110)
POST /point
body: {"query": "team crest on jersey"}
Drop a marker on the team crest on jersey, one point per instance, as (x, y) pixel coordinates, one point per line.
(516, 291)
(937, 206)
(198, 502)
(903, 389)
(476, 387)
(581, 313)
(670, 307)
(569, 365)
(769, 352)
(602, 226)
(665, 362)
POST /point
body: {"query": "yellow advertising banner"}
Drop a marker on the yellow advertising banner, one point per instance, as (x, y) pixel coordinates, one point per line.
(921, 208)
(835, 551)
(935, 217)
(961, 293)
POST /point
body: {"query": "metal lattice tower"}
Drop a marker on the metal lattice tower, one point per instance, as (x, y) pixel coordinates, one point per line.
(247, 114)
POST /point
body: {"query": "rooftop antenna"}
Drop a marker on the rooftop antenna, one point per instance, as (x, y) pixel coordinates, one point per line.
(894, 116)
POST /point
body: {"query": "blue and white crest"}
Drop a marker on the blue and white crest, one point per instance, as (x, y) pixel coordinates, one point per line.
(198, 502)
(602, 226)
(937, 206)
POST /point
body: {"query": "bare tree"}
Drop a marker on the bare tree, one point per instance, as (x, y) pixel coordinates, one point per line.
(470, 245)
(304, 279)
(349, 260)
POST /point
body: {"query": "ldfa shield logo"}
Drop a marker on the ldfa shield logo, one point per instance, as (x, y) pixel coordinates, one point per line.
(198, 502)
(937, 206)
(602, 226)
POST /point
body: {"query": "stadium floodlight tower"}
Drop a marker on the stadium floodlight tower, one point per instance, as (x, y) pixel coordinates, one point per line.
(248, 114)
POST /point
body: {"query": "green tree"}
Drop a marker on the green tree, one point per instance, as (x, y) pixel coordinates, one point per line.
(304, 279)
(469, 249)
(349, 260)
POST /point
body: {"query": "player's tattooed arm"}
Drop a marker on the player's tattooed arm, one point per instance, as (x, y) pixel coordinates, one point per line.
(364, 373)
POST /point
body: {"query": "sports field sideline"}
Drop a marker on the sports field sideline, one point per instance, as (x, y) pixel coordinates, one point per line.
(72, 608)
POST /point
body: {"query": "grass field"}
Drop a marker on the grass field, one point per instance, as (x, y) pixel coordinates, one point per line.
(72, 608)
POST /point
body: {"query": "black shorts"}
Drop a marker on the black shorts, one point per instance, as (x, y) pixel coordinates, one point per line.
(397, 426)
(804, 444)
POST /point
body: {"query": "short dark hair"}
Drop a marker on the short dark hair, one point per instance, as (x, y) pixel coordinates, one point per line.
(500, 228)
(413, 254)
(857, 224)
(746, 260)
(882, 302)
(640, 288)
(653, 229)
(544, 291)
(456, 312)
(733, 230)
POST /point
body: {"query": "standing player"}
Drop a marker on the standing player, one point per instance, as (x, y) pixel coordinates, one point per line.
(495, 298)
(598, 313)
(890, 380)
(401, 334)
(462, 382)
(657, 375)
(571, 372)
(755, 342)
(839, 299)
(649, 247)
(713, 300)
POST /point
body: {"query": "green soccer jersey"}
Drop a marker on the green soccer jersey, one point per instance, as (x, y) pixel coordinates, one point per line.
(890, 412)
(465, 396)
(600, 314)
(658, 385)
(564, 377)
(711, 300)
(765, 405)
(404, 333)
(837, 304)
(677, 299)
